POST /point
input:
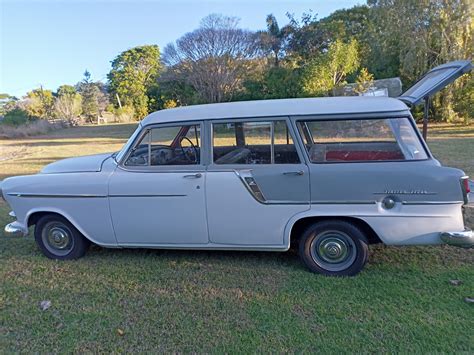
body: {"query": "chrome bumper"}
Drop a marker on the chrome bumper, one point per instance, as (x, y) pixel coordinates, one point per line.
(459, 239)
(15, 229)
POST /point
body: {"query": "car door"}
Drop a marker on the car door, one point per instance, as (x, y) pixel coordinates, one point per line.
(157, 193)
(435, 80)
(255, 183)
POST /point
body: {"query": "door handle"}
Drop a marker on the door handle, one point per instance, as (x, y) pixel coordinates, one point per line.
(299, 172)
(193, 176)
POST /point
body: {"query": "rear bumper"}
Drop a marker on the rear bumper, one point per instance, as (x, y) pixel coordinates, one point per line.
(15, 229)
(459, 239)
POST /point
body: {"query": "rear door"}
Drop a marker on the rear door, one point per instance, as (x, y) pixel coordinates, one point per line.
(256, 182)
(435, 80)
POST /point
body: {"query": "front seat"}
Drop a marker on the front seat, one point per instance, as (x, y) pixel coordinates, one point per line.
(234, 156)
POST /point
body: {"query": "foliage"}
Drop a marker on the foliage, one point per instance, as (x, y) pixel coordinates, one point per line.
(329, 70)
(133, 72)
(213, 59)
(15, 117)
(364, 81)
(125, 113)
(89, 92)
(40, 103)
(7, 102)
(68, 104)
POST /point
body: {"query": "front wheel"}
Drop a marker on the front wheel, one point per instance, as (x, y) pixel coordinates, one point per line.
(334, 248)
(59, 239)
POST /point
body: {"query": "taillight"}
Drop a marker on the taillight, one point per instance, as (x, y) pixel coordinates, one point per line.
(466, 189)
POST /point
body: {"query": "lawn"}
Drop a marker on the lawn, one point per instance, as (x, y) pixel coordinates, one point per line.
(188, 301)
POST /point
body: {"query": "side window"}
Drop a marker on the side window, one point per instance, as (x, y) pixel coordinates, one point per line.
(255, 142)
(361, 140)
(176, 145)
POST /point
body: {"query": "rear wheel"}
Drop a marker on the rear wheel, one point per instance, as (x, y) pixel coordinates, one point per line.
(59, 239)
(334, 248)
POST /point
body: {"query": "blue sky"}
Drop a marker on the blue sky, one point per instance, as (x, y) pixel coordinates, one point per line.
(52, 42)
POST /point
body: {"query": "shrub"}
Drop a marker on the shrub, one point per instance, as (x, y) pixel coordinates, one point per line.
(125, 114)
(15, 117)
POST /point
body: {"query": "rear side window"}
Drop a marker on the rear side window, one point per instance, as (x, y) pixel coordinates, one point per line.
(392, 139)
(257, 142)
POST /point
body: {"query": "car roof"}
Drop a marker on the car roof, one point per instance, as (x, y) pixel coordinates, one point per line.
(280, 107)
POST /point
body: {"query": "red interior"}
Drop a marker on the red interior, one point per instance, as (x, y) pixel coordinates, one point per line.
(352, 155)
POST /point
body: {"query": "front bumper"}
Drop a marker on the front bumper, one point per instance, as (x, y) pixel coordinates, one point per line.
(459, 239)
(15, 229)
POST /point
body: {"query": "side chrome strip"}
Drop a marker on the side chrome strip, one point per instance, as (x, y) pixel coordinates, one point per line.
(18, 194)
(343, 202)
(148, 195)
(416, 203)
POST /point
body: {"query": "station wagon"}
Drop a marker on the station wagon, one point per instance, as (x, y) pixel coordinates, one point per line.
(327, 175)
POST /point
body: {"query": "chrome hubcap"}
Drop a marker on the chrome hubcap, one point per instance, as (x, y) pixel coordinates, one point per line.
(57, 238)
(333, 250)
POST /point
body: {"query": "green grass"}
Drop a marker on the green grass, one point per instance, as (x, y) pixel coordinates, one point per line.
(190, 301)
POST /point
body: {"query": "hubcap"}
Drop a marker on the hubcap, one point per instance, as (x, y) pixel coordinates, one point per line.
(57, 238)
(333, 250)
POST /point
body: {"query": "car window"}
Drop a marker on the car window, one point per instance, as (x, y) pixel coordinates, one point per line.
(176, 145)
(361, 140)
(257, 142)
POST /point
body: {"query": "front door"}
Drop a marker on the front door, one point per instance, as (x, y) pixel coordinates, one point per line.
(157, 195)
(256, 182)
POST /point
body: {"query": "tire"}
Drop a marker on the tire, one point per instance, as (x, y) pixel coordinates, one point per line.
(59, 239)
(334, 248)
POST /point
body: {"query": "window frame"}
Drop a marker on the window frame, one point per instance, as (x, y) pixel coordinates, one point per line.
(153, 168)
(272, 120)
(359, 117)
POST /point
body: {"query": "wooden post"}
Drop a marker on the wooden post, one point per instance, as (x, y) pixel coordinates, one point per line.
(425, 117)
(118, 99)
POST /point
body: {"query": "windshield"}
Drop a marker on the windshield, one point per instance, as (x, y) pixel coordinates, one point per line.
(123, 151)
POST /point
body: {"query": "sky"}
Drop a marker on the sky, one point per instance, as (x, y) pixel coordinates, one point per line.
(52, 42)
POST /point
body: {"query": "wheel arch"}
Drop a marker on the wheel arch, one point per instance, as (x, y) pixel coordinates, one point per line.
(302, 223)
(35, 215)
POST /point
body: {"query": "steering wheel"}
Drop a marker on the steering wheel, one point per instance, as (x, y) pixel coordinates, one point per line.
(187, 155)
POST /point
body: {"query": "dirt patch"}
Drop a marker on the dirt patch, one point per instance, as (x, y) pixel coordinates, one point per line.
(8, 153)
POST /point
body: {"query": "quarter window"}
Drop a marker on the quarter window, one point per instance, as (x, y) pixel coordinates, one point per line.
(361, 140)
(176, 145)
(257, 142)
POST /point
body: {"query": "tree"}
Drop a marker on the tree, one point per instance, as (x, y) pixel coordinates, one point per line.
(364, 81)
(330, 69)
(272, 40)
(90, 97)
(213, 59)
(68, 104)
(133, 73)
(40, 103)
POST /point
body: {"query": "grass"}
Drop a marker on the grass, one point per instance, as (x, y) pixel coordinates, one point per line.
(190, 301)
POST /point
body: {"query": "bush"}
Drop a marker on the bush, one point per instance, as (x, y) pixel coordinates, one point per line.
(15, 117)
(125, 114)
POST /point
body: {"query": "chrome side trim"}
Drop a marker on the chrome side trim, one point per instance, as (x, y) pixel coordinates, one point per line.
(418, 203)
(463, 239)
(148, 195)
(12, 214)
(249, 182)
(343, 202)
(19, 194)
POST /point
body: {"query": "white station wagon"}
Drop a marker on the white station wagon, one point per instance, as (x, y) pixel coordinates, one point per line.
(331, 175)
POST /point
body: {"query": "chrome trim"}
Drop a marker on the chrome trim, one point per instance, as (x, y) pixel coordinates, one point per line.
(405, 192)
(417, 203)
(12, 214)
(19, 194)
(343, 202)
(245, 175)
(15, 230)
(465, 195)
(463, 239)
(170, 195)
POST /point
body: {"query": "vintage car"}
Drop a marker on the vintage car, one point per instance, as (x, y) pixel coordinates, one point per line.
(329, 175)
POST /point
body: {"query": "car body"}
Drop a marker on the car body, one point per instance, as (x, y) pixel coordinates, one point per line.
(333, 174)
